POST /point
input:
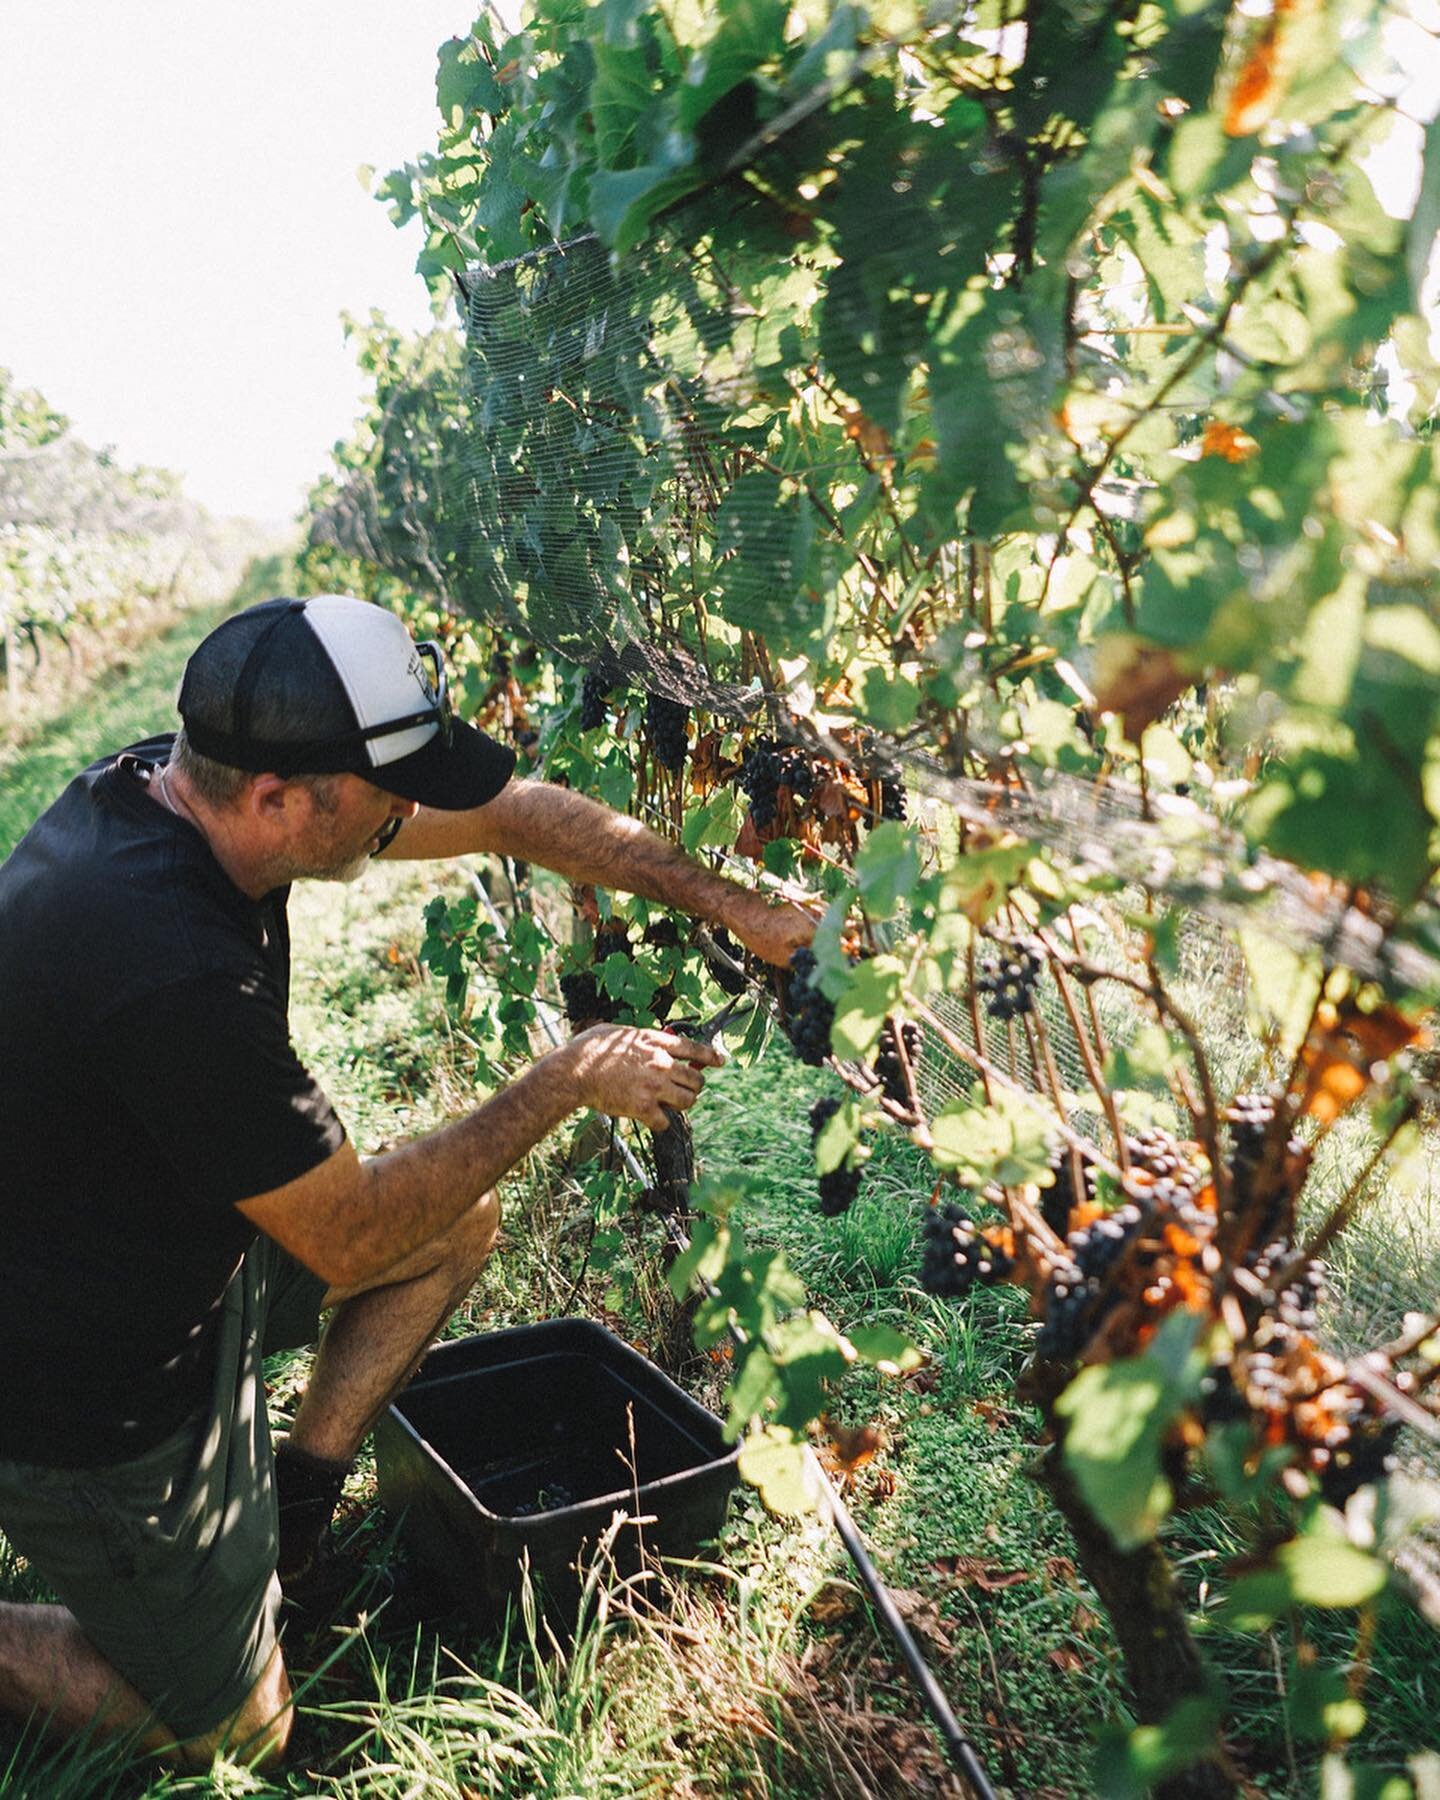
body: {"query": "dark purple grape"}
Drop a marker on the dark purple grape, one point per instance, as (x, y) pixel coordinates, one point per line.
(1008, 985)
(594, 691)
(887, 1066)
(665, 723)
(584, 1002)
(808, 1014)
(955, 1256)
(840, 1185)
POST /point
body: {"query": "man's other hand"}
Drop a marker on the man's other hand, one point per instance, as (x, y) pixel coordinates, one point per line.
(631, 1072)
(770, 929)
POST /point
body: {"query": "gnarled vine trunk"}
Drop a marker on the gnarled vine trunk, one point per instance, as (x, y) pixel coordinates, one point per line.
(1139, 1592)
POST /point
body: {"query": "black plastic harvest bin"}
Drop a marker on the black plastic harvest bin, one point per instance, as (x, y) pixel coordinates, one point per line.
(520, 1442)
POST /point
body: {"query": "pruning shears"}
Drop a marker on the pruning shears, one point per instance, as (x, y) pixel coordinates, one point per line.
(705, 1031)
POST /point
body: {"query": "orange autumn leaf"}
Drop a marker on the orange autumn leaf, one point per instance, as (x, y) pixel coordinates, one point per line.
(1343, 1048)
(849, 1447)
(873, 439)
(1228, 441)
(1257, 88)
(750, 843)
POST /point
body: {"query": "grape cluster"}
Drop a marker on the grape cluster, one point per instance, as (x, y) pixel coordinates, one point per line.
(584, 1002)
(1059, 1200)
(594, 691)
(1009, 985)
(892, 797)
(1368, 1454)
(955, 1255)
(1249, 1117)
(887, 1066)
(766, 769)
(611, 940)
(663, 933)
(665, 723)
(1075, 1298)
(729, 981)
(840, 1185)
(808, 1014)
(1266, 1210)
(1166, 1176)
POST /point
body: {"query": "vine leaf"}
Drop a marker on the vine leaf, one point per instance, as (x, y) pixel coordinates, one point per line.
(887, 868)
(1009, 1143)
(1129, 1763)
(1116, 1417)
(1318, 1568)
(773, 1460)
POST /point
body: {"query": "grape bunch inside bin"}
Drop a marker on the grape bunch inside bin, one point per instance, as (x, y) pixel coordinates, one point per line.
(519, 1447)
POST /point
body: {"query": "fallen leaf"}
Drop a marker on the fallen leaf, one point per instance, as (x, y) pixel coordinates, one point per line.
(1068, 1661)
(849, 1447)
(833, 1601)
(994, 1414)
(972, 1571)
(922, 1615)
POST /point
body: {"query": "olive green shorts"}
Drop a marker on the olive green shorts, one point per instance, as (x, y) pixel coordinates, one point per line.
(168, 1561)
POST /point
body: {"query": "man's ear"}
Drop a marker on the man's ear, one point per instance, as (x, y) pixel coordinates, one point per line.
(269, 798)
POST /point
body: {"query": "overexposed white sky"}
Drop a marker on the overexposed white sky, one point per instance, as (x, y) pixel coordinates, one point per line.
(181, 224)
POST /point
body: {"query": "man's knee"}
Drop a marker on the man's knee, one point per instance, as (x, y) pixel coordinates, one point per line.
(471, 1239)
(258, 1731)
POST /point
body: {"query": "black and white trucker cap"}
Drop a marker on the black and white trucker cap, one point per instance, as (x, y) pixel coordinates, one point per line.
(333, 685)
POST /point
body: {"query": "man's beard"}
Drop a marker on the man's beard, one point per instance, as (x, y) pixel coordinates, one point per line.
(346, 871)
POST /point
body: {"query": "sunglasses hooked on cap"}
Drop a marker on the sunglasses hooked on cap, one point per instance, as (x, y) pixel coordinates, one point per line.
(334, 685)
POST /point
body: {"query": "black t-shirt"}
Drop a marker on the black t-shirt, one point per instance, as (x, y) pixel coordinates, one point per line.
(147, 1083)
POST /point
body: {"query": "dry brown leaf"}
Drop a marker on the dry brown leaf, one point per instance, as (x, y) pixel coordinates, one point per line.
(833, 1601)
(849, 1447)
(749, 843)
(1139, 681)
(1068, 1661)
(973, 1571)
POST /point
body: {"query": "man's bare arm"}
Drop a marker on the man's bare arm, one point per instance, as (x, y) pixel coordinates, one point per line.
(349, 1221)
(536, 822)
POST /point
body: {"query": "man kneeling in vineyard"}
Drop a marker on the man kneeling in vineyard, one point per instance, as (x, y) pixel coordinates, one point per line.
(181, 1200)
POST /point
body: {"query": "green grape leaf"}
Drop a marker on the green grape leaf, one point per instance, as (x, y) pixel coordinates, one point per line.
(1116, 1416)
(715, 822)
(891, 700)
(886, 1349)
(838, 1136)
(1010, 1142)
(872, 991)
(774, 1460)
(1128, 1764)
(755, 1383)
(1318, 1568)
(887, 868)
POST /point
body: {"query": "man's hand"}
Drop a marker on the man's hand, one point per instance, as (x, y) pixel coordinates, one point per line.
(634, 1073)
(770, 929)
